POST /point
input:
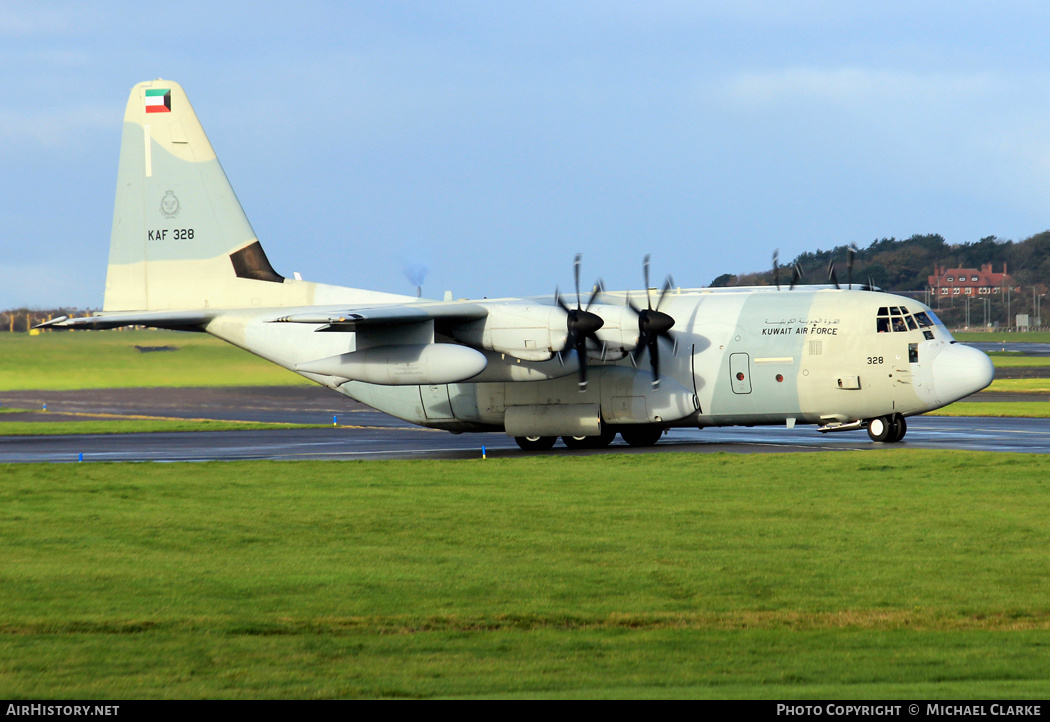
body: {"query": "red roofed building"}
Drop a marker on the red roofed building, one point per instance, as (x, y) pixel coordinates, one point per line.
(968, 281)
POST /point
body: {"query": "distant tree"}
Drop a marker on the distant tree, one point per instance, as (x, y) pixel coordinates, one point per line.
(726, 279)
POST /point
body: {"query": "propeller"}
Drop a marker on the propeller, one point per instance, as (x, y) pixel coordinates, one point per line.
(653, 323)
(581, 323)
(850, 253)
(776, 268)
(796, 276)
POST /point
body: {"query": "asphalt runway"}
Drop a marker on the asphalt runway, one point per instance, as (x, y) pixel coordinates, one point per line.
(363, 433)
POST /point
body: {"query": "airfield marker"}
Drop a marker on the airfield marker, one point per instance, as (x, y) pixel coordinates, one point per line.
(80, 457)
(335, 420)
(482, 452)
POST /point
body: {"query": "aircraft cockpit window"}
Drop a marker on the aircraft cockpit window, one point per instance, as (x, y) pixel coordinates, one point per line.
(898, 320)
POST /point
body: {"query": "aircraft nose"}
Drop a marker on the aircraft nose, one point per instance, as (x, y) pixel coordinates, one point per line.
(959, 371)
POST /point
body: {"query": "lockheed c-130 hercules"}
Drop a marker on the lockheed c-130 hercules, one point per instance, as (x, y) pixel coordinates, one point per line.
(184, 256)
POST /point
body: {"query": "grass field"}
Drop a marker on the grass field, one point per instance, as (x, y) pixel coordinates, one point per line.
(135, 426)
(1018, 360)
(1021, 386)
(1005, 409)
(1000, 337)
(110, 359)
(874, 574)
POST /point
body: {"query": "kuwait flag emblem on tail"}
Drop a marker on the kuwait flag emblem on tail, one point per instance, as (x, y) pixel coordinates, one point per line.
(158, 101)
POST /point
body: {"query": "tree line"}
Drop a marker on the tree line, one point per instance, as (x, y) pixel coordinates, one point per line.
(904, 267)
(20, 320)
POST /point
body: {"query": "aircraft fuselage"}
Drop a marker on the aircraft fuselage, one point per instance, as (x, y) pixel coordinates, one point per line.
(751, 357)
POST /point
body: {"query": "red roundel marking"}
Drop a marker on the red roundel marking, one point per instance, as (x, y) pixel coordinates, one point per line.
(740, 376)
(780, 378)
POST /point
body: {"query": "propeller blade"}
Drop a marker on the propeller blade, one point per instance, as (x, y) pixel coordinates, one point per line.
(668, 284)
(645, 266)
(598, 289)
(776, 268)
(831, 274)
(796, 276)
(576, 273)
(581, 354)
(654, 358)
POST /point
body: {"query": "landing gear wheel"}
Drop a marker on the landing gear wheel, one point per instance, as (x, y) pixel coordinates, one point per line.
(590, 442)
(535, 443)
(642, 435)
(881, 428)
(900, 428)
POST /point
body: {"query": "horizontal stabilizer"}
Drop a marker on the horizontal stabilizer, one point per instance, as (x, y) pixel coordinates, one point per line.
(174, 320)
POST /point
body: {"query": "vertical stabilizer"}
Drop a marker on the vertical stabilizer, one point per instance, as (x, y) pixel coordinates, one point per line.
(180, 238)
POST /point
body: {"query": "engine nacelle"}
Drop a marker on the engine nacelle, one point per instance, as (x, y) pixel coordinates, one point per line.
(535, 332)
(404, 365)
(531, 332)
(619, 333)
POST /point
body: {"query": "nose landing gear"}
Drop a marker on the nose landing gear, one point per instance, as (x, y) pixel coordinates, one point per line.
(888, 429)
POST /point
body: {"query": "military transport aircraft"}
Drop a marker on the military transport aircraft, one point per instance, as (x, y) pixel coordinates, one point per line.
(183, 256)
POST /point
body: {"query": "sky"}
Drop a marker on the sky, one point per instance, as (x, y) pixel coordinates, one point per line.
(479, 146)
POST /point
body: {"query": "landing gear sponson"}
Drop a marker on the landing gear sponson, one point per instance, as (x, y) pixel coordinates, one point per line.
(633, 435)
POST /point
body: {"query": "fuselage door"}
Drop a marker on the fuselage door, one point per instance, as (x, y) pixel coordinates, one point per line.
(740, 371)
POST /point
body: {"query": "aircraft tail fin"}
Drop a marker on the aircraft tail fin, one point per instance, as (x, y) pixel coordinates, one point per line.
(180, 238)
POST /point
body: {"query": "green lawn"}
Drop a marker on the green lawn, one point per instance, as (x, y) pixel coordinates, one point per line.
(1018, 360)
(1001, 337)
(1021, 386)
(136, 426)
(885, 573)
(1014, 409)
(110, 359)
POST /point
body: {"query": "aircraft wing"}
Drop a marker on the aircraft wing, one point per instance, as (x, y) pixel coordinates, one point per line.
(329, 318)
(350, 319)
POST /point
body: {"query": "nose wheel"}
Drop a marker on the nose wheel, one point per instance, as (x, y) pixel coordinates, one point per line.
(887, 429)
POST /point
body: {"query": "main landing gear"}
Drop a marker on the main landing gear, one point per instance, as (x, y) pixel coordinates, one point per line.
(889, 429)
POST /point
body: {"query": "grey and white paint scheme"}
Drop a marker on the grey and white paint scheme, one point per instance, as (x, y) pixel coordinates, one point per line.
(184, 256)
